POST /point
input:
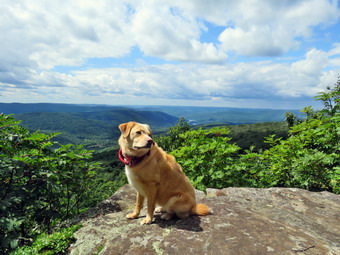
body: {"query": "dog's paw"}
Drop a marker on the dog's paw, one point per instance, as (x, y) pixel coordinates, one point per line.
(132, 216)
(167, 216)
(146, 221)
(159, 209)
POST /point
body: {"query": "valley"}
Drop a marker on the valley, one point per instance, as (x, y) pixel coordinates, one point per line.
(96, 126)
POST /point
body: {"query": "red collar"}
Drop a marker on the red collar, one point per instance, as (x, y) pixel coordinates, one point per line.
(131, 160)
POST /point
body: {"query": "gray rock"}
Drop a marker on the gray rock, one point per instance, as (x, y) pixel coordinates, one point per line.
(244, 221)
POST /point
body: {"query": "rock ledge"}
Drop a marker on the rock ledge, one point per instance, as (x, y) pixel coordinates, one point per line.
(245, 221)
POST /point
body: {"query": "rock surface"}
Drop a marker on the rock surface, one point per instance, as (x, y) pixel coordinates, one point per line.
(244, 221)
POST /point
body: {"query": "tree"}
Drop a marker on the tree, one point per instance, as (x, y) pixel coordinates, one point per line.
(291, 119)
(172, 140)
(331, 100)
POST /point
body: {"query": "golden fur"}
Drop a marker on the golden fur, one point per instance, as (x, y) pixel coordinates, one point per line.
(158, 177)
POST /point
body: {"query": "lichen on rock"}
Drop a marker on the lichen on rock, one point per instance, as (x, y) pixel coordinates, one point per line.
(245, 221)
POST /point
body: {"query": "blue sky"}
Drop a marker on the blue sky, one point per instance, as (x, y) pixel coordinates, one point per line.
(236, 53)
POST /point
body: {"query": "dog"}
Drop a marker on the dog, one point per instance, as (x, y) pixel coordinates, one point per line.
(156, 176)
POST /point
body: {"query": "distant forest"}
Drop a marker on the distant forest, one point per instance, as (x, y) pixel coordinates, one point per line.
(96, 125)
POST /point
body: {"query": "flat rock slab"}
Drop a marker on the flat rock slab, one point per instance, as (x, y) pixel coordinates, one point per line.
(244, 221)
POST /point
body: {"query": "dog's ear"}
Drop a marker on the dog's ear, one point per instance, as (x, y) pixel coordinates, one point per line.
(125, 128)
(148, 127)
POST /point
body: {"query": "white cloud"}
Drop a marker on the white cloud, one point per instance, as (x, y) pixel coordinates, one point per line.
(270, 28)
(47, 34)
(335, 50)
(328, 79)
(334, 62)
(165, 32)
(257, 41)
(313, 64)
(40, 35)
(254, 80)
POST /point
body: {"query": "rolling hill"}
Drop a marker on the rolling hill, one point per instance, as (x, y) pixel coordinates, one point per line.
(12, 108)
(92, 128)
(73, 128)
(205, 115)
(96, 125)
(155, 114)
(155, 119)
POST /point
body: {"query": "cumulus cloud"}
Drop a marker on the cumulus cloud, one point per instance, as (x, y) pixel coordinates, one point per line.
(167, 33)
(270, 28)
(66, 33)
(313, 64)
(255, 80)
(257, 41)
(47, 34)
(335, 50)
(42, 35)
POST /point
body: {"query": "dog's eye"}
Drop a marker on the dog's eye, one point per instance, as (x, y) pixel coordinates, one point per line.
(139, 132)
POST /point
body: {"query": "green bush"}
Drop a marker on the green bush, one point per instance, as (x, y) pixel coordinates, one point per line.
(56, 243)
(173, 140)
(39, 186)
(308, 158)
(207, 157)
(109, 178)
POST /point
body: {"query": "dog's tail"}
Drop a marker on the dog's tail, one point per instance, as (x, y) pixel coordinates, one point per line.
(201, 209)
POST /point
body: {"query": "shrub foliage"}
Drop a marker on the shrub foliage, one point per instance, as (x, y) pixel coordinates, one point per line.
(309, 158)
(56, 243)
(41, 182)
(207, 157)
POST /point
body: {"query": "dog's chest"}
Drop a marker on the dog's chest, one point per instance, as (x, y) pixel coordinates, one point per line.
(134, 180)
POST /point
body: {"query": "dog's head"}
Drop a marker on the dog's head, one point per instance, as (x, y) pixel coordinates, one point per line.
(135, 137)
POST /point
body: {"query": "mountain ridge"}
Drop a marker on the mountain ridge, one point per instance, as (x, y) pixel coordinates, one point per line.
(196, 115)
(91, 128)
(96, 125)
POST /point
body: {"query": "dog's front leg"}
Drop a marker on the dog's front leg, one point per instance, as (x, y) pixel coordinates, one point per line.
(151, 203)
(138, 208)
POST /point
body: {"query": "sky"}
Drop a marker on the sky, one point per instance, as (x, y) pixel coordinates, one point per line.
(275, 54)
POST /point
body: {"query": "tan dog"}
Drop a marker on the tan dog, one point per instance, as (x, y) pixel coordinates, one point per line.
(156, 176)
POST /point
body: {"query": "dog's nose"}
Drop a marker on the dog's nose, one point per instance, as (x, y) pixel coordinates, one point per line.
(149, 141)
